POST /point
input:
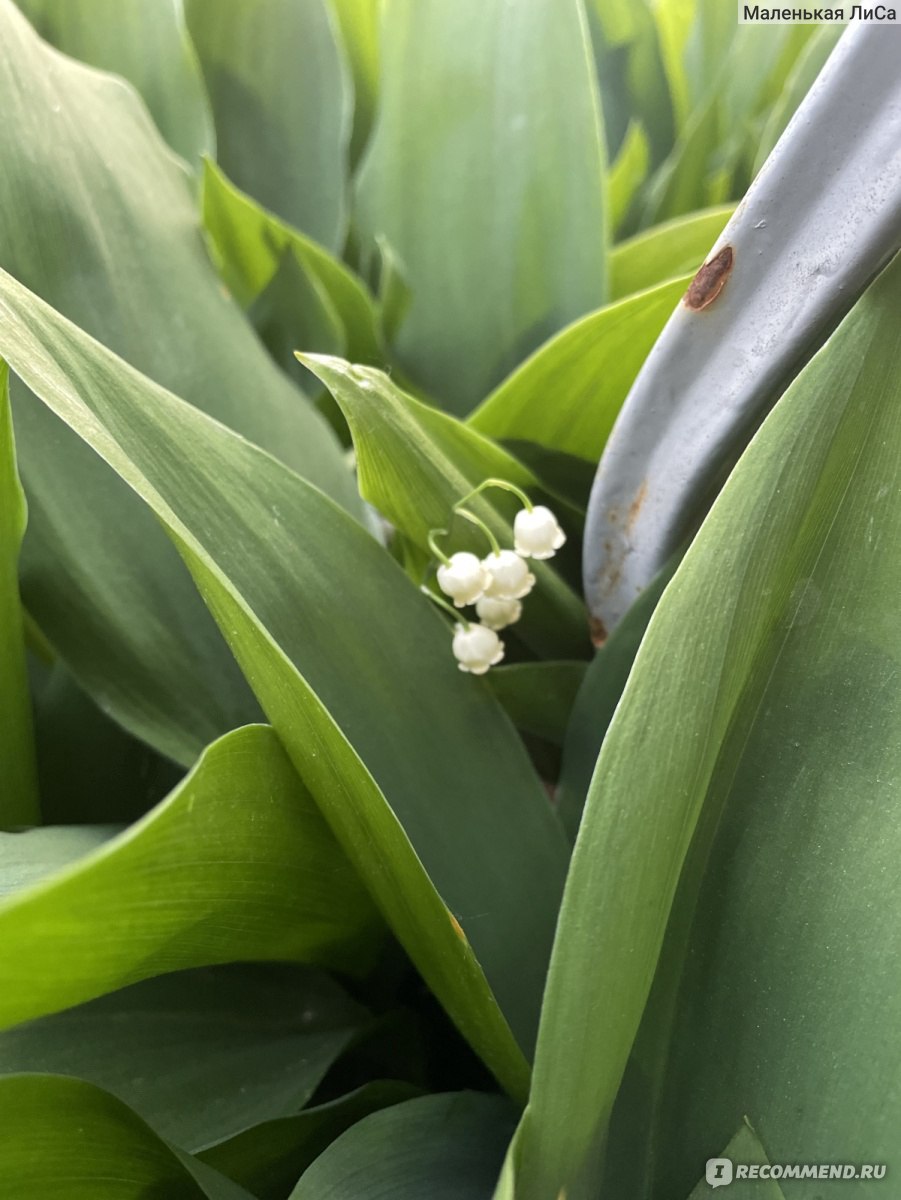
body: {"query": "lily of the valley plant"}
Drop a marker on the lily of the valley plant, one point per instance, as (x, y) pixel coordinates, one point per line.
(579, 869)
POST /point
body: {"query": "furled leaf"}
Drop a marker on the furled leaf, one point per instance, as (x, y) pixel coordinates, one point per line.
(18, 771)
(567, 395)
(98, 218)
(754, 754)
(149, 46)
(415, 462)
(236, 864)
(283, 105)
(484, 110)
(250, 243)
(269, 1158)
(538, 696)
(675, 248)
(467, 862)
(65, 1138)
(200, 1055)
(446, 1147)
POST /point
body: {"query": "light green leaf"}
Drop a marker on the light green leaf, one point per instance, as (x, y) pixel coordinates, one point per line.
(269, 1158)
(659, 253)
(68, 1139)
(484, 110)
(27, 858)
(538, 696)
(358, 22)
(320, 617)
(236, 864)
(283, 105)
(627, 173)
(755, 742)
(250, 243)
(446, 1147)
(415, 462)
(19, 803)
(568, 394)
(149, 46)
(744, 1148)
(200, 1055)
(98, 218)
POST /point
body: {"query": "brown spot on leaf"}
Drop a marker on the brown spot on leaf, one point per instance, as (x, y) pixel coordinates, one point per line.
(710, 280)
(635, 506)
(458, 928)
(598, 631)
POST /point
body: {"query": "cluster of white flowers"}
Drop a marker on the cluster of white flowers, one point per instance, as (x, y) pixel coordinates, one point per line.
(498, 583)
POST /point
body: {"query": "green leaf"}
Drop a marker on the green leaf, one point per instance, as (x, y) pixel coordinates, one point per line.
(28, 858)
(538, 696)
(674, 248)
(358, 22)
(65, 1138)
(320, 617)
(755, 742)
(283, 105)
(269, 1158)
(627, 173)
(19, 803)
(236, 864)
(587, 369)
(415, 462)
(200, 1055)
(744, 1148)
(447, 1147)
(484, 110)
(250, 243)
(149, 46)
(99, 219)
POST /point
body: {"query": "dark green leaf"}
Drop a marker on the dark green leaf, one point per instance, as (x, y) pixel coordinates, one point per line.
(538, 696)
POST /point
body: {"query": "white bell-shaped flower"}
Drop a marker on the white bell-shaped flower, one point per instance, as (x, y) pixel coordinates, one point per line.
(510, 576)
(463, 578)
(537, 533)
(476, 648)
(498, 614)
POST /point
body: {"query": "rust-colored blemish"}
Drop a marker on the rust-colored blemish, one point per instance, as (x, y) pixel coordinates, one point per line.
(458, 928)
(635, 506)
(710, 280)
(598, 631)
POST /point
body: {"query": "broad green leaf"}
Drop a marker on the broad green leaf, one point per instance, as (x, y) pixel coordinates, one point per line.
(320, 617)
(595, 703)
(674, 248)
(415, 462)
(627, 173)
(568, 394)
(236, 864)
(269, 1159)
(200, 1055)
(68, 1140)
(26, 858)
(358, 22)
(149, 46)
(91, 770)
(282, 100)
(538, 696)
(98, 218)
(250, 243)
(755, 742)
(744, 1148)
(19, 795)
(446, 1147)
(484, 110)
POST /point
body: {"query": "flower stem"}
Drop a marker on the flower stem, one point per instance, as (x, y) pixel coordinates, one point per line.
(497, 483)
(436, 550)
(470, 516)
(454, 612)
